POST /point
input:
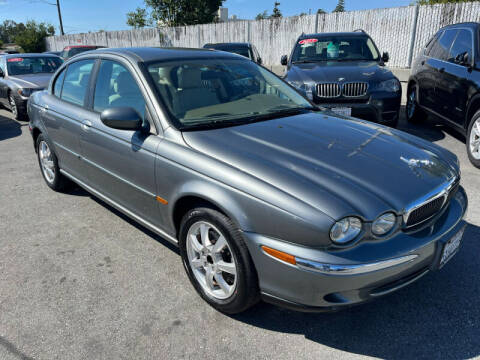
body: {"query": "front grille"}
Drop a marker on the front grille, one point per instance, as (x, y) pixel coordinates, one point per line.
(355, 89)
(425, 211)
(328, 90)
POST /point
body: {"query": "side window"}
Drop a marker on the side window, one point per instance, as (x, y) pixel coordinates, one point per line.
(2, 66)
(76, 81)
(461, 46)
(116, 87)
(441, 49)
(57, 87)
(432, 42)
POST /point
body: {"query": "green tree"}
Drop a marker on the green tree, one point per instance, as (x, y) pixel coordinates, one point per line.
(262, 16)
(9, 29)
(175, 12)
(276, 11)
(1, 43)
(138, 18)
(432, 2)
(340, 6)
(32, 38)
(321, 11)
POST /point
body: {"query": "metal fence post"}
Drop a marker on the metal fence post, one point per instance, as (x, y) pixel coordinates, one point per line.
(413, 36)
(316, 22)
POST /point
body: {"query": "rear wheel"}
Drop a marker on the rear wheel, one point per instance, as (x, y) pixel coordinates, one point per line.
(413, 111)
(49, 165)
(217, 261)
(473, 140)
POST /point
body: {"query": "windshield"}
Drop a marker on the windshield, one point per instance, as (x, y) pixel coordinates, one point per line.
(33, 65)
(220, 92)
(335, 48)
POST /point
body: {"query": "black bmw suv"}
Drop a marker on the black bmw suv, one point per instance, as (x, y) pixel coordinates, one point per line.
(445, 82)
(345, 72)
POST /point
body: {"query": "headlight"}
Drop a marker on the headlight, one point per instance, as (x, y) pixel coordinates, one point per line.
(392, 85)
(25, 92)
(384, 223)
(303, 88)
(345, 230)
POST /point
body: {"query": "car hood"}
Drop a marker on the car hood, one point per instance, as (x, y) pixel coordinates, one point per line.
(31, 81)
(334, 71)
(337, 165)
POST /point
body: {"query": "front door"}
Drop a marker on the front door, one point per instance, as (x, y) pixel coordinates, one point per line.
(121, 163)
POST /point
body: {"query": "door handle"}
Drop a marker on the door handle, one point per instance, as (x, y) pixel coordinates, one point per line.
(441, 70)
(44, 109)
(86, 125)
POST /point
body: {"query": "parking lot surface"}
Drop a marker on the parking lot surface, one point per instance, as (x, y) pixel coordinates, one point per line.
(78, 280)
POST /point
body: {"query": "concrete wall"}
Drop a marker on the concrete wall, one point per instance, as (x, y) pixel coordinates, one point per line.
(402, 31)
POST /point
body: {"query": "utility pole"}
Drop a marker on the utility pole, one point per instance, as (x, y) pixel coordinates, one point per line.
(60, 18)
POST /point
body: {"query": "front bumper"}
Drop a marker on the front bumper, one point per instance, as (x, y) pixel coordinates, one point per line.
(342, 278)
(381, 107)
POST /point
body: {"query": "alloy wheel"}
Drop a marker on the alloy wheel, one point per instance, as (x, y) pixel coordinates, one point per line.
(211, 260)
(46, 160)
(13, 106)
(411, 104)
(475, 140)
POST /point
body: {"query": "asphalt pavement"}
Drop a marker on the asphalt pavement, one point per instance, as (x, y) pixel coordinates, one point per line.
(78, 280)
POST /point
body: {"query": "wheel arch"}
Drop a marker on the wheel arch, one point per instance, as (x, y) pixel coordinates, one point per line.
(473, 107)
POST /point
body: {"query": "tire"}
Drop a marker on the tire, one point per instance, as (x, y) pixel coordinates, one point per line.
(48, 162)
(228, 293)
(473, 140)
(17, 112)
(412, 110)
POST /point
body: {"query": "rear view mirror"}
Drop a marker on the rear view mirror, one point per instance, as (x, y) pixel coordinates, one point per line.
(284, 60)
(385, 57)
(122, 118)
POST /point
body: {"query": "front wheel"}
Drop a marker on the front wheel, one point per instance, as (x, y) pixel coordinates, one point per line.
(413, 111)
(217, 261)
(473, 140)
(17, 112)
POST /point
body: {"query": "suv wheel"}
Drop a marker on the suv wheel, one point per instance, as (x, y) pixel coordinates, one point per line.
(473, 140)
(413, 111)
(217, 261)
(49, 165)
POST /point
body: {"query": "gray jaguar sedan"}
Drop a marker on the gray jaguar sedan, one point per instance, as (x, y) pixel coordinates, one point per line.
(266, 196)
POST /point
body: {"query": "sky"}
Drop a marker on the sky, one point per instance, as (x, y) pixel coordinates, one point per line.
(93, 15)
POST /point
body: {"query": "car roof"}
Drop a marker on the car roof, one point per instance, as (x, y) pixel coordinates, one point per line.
(329, 34)
(464, 24)
(229, 44)
(147, 54)
(25, 55)
(81, 46)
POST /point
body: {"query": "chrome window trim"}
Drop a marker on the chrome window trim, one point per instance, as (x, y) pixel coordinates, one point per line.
(353, 269)
(442, 190)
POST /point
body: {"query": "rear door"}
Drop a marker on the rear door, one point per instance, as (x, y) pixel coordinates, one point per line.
(121, 163)
(64, 111)
(453, 84)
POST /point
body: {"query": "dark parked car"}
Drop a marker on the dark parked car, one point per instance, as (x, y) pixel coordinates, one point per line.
(73, 50)
(345, 72)
(445, 82)
(57, 53)
(245, 49)
(265, 195)
(23, 74)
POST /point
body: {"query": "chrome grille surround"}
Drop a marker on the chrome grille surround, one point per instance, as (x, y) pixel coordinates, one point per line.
(328, 90)
(354, 89)
(430, 200)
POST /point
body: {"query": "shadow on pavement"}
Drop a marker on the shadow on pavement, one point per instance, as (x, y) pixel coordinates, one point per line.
(436, 317)
(9, 128)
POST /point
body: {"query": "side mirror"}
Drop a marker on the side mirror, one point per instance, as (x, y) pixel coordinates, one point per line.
(259, 61)
(1, 73)
(385, 57)
(284, 60)
(122, 118)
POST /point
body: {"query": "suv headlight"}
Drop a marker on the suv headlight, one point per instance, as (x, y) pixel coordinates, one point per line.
(305, 89)
(384, 223)
(345, 230)
(392, 85)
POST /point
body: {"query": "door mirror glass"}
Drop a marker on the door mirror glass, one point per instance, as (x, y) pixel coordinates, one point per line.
(122, 118)
(385, 57)
(284, 60)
